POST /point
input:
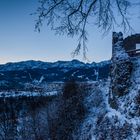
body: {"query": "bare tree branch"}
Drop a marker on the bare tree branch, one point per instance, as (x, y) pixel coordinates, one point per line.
(72, 16)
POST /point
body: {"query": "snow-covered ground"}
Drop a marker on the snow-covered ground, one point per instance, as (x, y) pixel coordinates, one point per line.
(103, 122)
(26, 94)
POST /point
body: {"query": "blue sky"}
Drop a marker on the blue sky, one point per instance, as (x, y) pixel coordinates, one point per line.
(19, 41)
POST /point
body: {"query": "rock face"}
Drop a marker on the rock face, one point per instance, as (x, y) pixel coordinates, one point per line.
(121, 69)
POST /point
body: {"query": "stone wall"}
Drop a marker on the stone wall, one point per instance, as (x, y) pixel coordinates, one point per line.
(131, 41)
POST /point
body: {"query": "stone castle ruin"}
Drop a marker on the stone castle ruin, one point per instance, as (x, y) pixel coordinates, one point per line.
(122, 65)
(124, 53)
(132, 45)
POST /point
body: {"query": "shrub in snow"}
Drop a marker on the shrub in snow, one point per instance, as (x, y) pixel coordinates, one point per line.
(24, 118)
(71, 112)
(112, 129)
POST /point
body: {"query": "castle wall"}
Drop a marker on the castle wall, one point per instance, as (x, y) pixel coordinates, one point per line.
(131, 41)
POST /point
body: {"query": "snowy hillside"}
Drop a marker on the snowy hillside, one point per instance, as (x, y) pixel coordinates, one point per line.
(104, 122)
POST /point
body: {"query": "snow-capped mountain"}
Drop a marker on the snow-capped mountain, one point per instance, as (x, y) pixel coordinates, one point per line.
(17, 74)
(31, 64)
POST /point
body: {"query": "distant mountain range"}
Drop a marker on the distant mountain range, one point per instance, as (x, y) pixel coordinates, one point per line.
(19, 73)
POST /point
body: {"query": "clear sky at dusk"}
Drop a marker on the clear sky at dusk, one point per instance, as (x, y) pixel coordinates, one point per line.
(19, 41)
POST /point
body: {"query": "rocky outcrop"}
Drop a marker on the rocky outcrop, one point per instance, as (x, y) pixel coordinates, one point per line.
(121, 69)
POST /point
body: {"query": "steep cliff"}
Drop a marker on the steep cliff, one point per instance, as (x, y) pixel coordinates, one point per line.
(114, 106)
